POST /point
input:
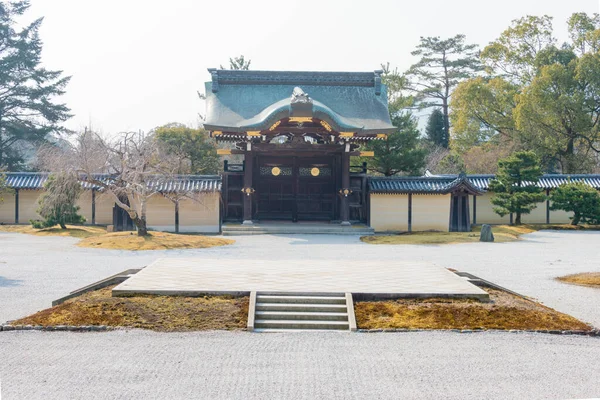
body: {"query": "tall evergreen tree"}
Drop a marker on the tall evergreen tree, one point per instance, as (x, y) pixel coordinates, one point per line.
(515, 185)
(435, 131)
(444, 64)
(400, 152)
(238, 63)
(28, 111)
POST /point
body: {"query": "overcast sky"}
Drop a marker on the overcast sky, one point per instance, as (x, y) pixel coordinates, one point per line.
(138, 64)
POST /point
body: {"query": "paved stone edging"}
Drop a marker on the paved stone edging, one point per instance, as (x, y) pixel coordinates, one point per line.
(71, 328)
(593, 332)
(104, 328)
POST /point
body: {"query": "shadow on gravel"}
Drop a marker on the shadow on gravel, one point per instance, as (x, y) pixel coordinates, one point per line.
(5, 282)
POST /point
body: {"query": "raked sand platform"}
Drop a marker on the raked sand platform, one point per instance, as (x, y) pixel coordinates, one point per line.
(364, 279)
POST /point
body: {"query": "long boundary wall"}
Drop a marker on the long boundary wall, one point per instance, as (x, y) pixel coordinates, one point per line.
(200, 215)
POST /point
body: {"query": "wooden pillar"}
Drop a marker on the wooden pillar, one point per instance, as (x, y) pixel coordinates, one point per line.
(459, 213)
(177, 216)
(16, 206)
(467, 215)
(410, 212)
(93, 206)
(511, 218)
(547, 206)
(248, 190)
(345, 203)
(474, 210)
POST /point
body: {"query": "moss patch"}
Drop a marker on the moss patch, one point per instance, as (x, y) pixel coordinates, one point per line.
(160, 313)
(583, 279)
(504, 312)
(154, 241)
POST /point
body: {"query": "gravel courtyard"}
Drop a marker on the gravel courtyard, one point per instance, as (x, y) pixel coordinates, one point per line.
(241, 365)
(36, 270)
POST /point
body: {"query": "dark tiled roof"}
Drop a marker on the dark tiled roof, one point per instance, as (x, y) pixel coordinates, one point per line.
(238, 101)
(547, 181)
(426, 184)
(195, 183)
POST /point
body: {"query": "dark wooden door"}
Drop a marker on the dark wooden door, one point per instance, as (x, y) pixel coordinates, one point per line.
(295, 189)
(316, 191)
(459, 213)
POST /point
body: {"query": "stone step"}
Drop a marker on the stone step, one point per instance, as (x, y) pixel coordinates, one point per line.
(238, 229)
(299, 307)
(295, 315)
(260, 298)
(300, 324)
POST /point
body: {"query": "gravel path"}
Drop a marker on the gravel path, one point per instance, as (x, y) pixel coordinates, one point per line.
(36, 270)
(240, 365)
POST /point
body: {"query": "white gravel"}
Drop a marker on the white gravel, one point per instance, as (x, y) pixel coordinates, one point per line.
(240, 365)
(36, 270)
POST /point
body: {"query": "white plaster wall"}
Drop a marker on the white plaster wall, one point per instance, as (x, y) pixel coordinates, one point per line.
(389, 212)
(430, 212)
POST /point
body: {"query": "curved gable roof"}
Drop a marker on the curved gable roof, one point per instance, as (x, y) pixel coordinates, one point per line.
(238, 101)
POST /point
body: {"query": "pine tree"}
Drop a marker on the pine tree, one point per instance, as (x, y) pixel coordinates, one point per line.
(580, 199)
(435, 131)
(28, 113)
(401, 151)
(515, 185)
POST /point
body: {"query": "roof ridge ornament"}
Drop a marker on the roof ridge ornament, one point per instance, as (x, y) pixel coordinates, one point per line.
(299, 96)
(301, 105)
(377, 81)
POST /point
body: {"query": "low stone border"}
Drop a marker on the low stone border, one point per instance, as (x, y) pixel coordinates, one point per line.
(593, 332)
(70, 328)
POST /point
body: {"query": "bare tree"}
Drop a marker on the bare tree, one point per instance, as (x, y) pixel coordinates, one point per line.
(131, 169)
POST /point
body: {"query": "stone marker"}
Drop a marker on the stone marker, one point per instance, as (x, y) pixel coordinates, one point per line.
(486, 233)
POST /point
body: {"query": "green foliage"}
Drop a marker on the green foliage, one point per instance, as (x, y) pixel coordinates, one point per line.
(400, 153)
(435, 130)
(57, 204)
(4, 189)
(238, 63)
(512, 56)
(28, 111)
(443, 65)
(585, 32)
(580, 199)
(397, 85)
(515, 185)
(542, 96)
(196, 152)
(452, 163)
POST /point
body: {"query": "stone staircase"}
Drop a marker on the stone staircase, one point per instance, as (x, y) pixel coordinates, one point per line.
(283, 228)
(277, 311)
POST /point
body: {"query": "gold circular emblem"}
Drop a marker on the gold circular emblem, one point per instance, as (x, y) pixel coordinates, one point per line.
(315, 171)
(275, 171)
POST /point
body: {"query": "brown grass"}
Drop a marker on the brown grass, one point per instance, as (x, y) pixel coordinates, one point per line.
(504, 312)
(160, 313)
(502, 233)
(72, 230)
(154, 241)
(93, 236)
(583, 279)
